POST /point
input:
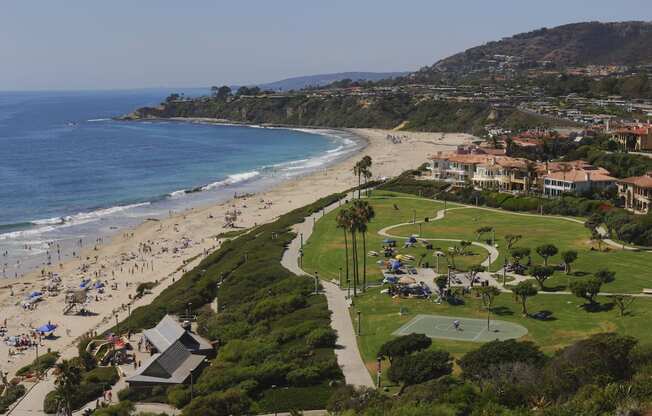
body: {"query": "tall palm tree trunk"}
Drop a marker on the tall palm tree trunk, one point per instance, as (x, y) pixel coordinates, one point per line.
(346, 256)
(364, 262)
(354, 246)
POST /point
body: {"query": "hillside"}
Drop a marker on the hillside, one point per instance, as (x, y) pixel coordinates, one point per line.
(350, 111)
(297, 83)
(590, 43)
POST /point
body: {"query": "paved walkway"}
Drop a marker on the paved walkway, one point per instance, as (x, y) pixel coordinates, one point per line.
(348, 354)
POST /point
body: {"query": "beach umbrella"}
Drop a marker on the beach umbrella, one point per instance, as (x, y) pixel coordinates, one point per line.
(47, 328)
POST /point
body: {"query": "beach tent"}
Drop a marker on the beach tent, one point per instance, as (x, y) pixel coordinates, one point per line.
(47, 328)
(35, 294)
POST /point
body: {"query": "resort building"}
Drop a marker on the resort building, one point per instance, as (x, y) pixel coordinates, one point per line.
(576, 180)
(633, 138)
(636, 193)
(176, 354)
(482, 170)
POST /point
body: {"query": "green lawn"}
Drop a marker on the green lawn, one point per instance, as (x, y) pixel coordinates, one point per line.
(324, 252)
(632, 268)
(570, 323)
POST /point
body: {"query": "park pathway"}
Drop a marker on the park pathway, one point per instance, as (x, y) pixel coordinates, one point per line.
(347, 352)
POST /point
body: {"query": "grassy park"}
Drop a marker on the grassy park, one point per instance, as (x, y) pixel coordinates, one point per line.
(382, 315)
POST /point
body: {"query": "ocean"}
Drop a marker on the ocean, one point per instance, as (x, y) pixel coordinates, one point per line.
(70, 173)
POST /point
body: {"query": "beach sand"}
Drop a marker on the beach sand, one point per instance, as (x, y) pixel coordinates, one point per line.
(161, 250)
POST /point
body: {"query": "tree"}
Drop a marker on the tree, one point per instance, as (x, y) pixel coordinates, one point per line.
(541, 274)
(482, 231)
(569, 257)
(519, 254)
(488, 295)
(511, 240)
(404, 345)
(525, 290)
(366, 213)
(222, 93)
(420, 367)
(464, 246)
(441, 281)
(473, 272)
(546, 251)
(597, 237)
(586, 288)
(343, 220)
(482, 362)
(623, 302)
(67, 384)
(361, 169)
(605, 276)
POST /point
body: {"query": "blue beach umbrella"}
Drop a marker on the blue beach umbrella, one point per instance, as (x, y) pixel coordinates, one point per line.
(47, 328)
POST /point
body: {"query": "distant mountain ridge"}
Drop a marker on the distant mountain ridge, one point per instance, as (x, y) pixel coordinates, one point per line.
(297, 83)
(576, 44)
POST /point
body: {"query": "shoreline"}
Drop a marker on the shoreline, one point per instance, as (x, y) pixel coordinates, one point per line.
(158, 250)
(54, 240)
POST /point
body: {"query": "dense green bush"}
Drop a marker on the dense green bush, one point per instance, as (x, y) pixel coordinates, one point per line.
(156, 394)
(40, 364)
(9, 396)
(321, 337)
(102, 375)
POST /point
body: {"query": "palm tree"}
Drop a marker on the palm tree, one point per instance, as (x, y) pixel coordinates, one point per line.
(354, 226)
(357, 170)
(366, 214)
(67, 382)
(343, 220)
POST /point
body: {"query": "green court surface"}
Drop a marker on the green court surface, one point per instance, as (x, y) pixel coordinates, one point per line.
(475, 330)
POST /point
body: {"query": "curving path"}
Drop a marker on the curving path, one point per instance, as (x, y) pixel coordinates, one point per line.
(493, 251)
(601, 229)
(348, 354)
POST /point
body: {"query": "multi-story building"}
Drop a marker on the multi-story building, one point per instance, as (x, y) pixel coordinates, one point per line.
(485, 171)
(633, 138)
(577, 180)
(636, 193)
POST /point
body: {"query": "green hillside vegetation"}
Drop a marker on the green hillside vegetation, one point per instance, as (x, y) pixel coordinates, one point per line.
(385, 112)
(274, 336)
(620, 43)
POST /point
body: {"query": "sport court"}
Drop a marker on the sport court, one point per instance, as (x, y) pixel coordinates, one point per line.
(474, 330)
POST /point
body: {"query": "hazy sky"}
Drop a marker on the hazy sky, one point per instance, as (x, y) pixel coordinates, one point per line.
(79, 44)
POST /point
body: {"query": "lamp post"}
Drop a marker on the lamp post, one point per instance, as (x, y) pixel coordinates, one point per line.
(505, 272)
(348, 288)
(189, 308)
(117, 324)
(316, 282)
(359, 323)
(379, 371)
(340, 274)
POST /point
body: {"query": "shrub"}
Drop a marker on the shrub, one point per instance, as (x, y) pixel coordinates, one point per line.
(40, 364)
(102, 375)
(302, 377)
(10, 395)
(321, 338)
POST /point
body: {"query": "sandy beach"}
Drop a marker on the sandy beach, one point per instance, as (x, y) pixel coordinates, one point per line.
(160, 250)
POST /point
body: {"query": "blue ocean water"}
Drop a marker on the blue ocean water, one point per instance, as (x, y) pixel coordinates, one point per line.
(67, 170)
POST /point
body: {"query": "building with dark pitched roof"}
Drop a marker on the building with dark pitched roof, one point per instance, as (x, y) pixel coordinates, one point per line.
(176, 355)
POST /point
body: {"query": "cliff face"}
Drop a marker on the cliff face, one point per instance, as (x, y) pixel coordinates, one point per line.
(403, 112)
(578, 44)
